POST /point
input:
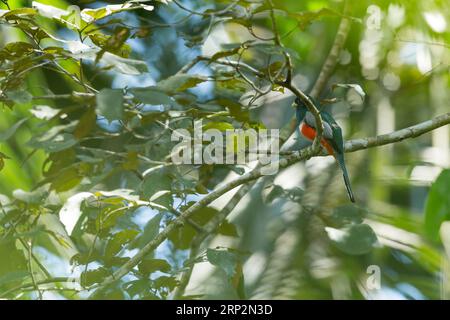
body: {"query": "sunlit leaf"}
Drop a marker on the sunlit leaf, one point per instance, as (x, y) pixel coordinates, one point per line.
(152, 95)
(150, 231)
(71, 210)
(44, 112)
(347, 214)
(33, 197)
(110, 104)
(223, 259)
(355, 239)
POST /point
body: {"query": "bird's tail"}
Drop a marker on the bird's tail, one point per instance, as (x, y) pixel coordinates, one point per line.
(340, 160)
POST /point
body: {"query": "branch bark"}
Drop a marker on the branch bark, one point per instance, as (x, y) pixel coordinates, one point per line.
(315, 149)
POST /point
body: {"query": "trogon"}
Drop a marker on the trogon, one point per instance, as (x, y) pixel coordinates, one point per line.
(332, 139)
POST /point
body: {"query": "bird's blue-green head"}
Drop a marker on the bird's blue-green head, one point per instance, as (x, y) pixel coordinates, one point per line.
(300, 110)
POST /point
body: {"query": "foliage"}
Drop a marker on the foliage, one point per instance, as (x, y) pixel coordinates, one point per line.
(89, 100)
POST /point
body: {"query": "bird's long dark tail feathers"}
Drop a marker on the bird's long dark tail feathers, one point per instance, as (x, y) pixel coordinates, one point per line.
(340, 160)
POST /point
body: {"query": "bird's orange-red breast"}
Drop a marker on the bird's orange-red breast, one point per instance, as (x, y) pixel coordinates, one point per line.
(310, 133)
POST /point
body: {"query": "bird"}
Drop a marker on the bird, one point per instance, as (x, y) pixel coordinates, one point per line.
(332, 139)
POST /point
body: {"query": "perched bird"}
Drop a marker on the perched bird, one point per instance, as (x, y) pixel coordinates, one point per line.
(331, 140)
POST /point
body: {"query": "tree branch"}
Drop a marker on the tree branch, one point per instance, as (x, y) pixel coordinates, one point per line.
(37, 283)
(304, 154)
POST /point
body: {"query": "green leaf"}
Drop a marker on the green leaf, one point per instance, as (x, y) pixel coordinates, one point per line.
(148, 266)
(2, 161)
(13, 264)
(118, 241)
(223, 259)
(347, 214)
(110, 104)
(224, 54)
(91, 15)
(33, 197)
(79, 50)
(19, 96)
(165, 282)
(12, 130)
(49, 11)
(68, 179)
(109, 292)
(58, 143)
(159, 194)
(124, 65)
(228, 229)
(150, 231)
(237, 111)
(104, 11)
(71, 212)
(155, 182)
(137, 287)
(16, 276)
(180, 82)
(108, 218)
(437, 206)
(20, 11)
(221, 126)
(152, 95)
(44, 112)
(91, 277)
(305, 18)
(182, 237)
(355, 239)
(86, 124)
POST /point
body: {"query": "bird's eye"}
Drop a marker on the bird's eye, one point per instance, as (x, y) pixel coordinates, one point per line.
(298, 102)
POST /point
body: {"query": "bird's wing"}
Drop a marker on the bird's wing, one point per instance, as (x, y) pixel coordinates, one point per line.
(327, 128)
(336, 140)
